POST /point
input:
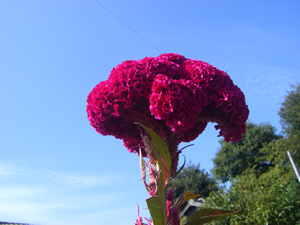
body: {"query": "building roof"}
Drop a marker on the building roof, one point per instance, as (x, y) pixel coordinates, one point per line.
(191, 207)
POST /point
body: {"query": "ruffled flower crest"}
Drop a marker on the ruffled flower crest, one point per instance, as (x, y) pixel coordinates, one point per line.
(175, 96)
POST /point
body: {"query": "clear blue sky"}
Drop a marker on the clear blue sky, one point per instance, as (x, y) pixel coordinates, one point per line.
(54, 168)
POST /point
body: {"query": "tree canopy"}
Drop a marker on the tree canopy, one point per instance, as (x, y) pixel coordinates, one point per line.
(272, 198)
(233, 158)
(290, 119)
(290, 112)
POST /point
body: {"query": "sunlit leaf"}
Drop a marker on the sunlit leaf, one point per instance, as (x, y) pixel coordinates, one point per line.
(160, 162)
(206, 215)
(187, 196)
(157, 203)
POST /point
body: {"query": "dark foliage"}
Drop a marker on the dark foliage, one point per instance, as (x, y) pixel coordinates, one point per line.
(233, 158)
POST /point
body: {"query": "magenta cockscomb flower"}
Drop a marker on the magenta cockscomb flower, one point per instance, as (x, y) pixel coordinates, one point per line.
(169, 204)
(176, 97)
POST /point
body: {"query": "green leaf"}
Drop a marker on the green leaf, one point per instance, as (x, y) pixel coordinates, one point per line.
(161, 147)
(155, 210)
(161, 188)
(187, 196)
(206, 215)
(157, 203)
(161, 193)
(181, 168)
(179, 201)
(160, 162)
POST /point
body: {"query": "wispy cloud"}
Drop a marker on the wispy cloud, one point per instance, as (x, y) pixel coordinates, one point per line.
(10, 173)
(262, 84)
(46, 206)
(7, 170)
(50, 197)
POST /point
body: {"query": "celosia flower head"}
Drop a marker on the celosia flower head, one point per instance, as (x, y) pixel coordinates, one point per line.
(173, 95)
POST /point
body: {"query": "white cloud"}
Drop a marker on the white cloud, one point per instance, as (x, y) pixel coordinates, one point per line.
(86, 180)
(7, 170)
(50, 197)
(262, 84)
(10, 174)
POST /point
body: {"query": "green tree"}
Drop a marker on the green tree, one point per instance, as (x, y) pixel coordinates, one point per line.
(233, 158)
(290, 119)
(272, 198)
(193, 179)
(290, 112)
